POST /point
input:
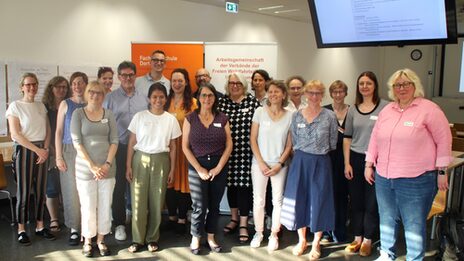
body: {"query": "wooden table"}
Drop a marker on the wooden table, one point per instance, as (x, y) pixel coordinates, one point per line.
(458, 154)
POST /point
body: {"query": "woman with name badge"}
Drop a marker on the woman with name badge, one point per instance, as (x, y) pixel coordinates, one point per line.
(410, 147)
(207, 144)
(95, 138)
(30, 131)
(239, 106)
(179, 103)
(308, 197)
(359, 123)
(150, 165)
(271, 145)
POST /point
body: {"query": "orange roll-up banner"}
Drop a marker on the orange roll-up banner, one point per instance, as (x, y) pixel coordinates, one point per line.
(188, 55)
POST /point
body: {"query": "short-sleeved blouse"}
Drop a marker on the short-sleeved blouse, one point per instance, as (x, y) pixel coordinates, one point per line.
(96, 137)
(207, 141)
(240, 118)
(318, 137)
(32, 118)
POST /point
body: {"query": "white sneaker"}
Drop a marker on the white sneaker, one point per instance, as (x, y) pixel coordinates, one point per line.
(273, 243)
(120, 233)
(257, 239)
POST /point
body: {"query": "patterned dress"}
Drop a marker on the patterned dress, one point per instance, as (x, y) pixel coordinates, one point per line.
(240, 118)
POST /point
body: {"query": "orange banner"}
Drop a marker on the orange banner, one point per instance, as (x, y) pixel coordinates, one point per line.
(178, 55)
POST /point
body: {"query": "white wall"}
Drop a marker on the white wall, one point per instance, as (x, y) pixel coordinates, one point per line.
(90, 32)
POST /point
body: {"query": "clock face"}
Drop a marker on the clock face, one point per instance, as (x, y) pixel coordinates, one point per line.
(416, 54)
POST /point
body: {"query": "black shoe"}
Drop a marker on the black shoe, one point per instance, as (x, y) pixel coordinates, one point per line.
(45, 233)
(23, 239)
(169, 225)
(181, 228)
(74, 239)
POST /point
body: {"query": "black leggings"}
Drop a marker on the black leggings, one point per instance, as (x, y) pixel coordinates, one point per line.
(241, 198)
(178, 203)
(364, 210)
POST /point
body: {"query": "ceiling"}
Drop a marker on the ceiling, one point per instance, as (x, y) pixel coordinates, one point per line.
(297, 10)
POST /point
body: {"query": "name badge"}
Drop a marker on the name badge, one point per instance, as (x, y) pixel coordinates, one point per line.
(373, 118)
(266, 123)
(301, 125)
(408, 123)
(104, 121)
(217, 124)
(245, 109)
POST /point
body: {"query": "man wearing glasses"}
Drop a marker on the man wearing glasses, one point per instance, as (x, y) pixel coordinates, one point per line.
(202, 77)
(158, 64)
(124, 102)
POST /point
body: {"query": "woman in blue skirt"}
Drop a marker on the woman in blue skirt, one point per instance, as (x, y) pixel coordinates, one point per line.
(308, 197)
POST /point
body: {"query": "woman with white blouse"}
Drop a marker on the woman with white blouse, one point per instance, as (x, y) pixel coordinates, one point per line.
(151, 157)
(271, 145)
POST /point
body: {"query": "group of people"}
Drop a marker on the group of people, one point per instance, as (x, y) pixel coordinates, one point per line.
(278, 152)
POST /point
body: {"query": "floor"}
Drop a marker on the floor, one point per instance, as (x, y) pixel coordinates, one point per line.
(172, 247)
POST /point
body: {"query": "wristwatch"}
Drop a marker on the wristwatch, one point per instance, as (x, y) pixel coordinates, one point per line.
(441, 172)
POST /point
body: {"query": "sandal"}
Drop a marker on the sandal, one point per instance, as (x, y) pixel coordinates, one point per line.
(315, 253)
(152, 246)
(104, 251)
(87, 250)
(299, 249)
(243, 238)
(55, 225)
(134, 247)
(230, 230)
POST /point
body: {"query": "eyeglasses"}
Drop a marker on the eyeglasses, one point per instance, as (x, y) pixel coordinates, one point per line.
(405, 85)
(204, 95)
(238, 84)
(202, 75)
(92, 93)
(155, 60)
(314, 93)
(128, 75)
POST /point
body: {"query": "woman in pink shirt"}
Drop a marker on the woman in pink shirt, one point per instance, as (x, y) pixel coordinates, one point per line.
(410, 147)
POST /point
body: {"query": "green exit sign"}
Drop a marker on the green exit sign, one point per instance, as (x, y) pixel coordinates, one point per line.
(231, 7)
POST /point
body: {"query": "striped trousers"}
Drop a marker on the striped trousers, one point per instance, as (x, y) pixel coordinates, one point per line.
(31, 178)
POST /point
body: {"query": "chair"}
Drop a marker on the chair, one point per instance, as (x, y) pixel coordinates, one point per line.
(3, 187)
(458, 144)
(454, 132)
(459, 129)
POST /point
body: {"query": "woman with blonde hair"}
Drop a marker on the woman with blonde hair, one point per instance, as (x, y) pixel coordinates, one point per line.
(308, 197)
(30, 131)
(408, 154)
(95, 138)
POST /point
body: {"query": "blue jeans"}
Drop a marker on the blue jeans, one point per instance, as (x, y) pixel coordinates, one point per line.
(408, 200)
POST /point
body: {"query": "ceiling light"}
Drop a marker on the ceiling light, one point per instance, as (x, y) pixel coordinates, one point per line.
(270, 7)
(286, 11)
